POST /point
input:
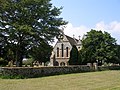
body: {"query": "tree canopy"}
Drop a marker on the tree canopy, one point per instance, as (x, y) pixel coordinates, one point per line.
(41, 53)
(98, 46)
(27, 23)
(118, 53)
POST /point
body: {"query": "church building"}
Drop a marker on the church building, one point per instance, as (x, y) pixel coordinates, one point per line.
(61, 51)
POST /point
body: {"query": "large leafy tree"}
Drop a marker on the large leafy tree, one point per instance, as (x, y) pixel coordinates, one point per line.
(118, 53)
(98, 46)
(41, 53)
(28, 23)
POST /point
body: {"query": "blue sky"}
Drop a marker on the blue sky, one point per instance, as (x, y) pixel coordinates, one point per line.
(84, 15)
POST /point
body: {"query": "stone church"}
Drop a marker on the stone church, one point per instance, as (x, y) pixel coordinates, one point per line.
(61, 51)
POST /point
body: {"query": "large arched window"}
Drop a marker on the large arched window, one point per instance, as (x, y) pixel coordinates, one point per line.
(57, 52)
(66, 51)
(62, 50)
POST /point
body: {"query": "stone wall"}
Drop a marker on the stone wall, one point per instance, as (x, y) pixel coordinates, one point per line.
(43, 71)
(30, 72)
(103, 68)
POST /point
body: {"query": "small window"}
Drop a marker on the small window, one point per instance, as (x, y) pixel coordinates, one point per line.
(62, 50)
(57, 52)
(66, 51)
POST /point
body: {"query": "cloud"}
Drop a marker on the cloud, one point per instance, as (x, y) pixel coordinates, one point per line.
(76, 31)
(110, 27)
(113, 28)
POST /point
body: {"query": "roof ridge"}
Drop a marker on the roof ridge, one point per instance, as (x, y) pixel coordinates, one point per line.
(72, 37)
(73, 41)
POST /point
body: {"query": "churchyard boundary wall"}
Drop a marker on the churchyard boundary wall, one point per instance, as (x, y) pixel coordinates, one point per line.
(31, 72)
(103, 68)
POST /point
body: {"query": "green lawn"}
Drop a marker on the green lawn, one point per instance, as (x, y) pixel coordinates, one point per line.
(105, 80)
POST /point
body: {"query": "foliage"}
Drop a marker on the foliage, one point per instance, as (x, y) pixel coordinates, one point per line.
(3, 62)
(73, 56)
(41, 53)
(29, 61)
(118, 53)
(80, 58)
(25, 24)
(98, 47)
(12, 77)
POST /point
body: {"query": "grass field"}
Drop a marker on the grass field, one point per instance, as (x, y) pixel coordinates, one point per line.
(105, 80)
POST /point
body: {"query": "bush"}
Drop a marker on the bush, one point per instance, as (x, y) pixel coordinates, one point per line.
(12, 77)
(28, 62)
(74, 56)
(3, 62)
(103, 68)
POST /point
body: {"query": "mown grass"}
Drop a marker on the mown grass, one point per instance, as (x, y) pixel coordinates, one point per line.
(105, 80)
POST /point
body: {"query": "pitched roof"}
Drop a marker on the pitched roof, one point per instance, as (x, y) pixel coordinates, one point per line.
(72, 41)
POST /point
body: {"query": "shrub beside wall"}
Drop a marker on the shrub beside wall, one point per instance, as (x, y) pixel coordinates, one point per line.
(31, 72)
(103, 68)
(0, 71)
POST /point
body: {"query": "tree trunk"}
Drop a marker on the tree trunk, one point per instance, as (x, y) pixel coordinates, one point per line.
(19, 58)
(19, 63)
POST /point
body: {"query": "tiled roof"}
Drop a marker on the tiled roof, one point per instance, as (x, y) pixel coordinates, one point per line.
(72, 41)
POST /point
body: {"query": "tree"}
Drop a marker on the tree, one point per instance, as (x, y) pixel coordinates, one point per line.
(25, 24)
(118, 53)
(41, 53)
(73, 56)
(81, 58)
(98, 47)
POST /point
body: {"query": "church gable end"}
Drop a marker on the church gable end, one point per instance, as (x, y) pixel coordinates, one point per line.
(61, 51)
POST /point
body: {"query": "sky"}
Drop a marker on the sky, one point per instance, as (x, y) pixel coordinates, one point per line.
(84, 15)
